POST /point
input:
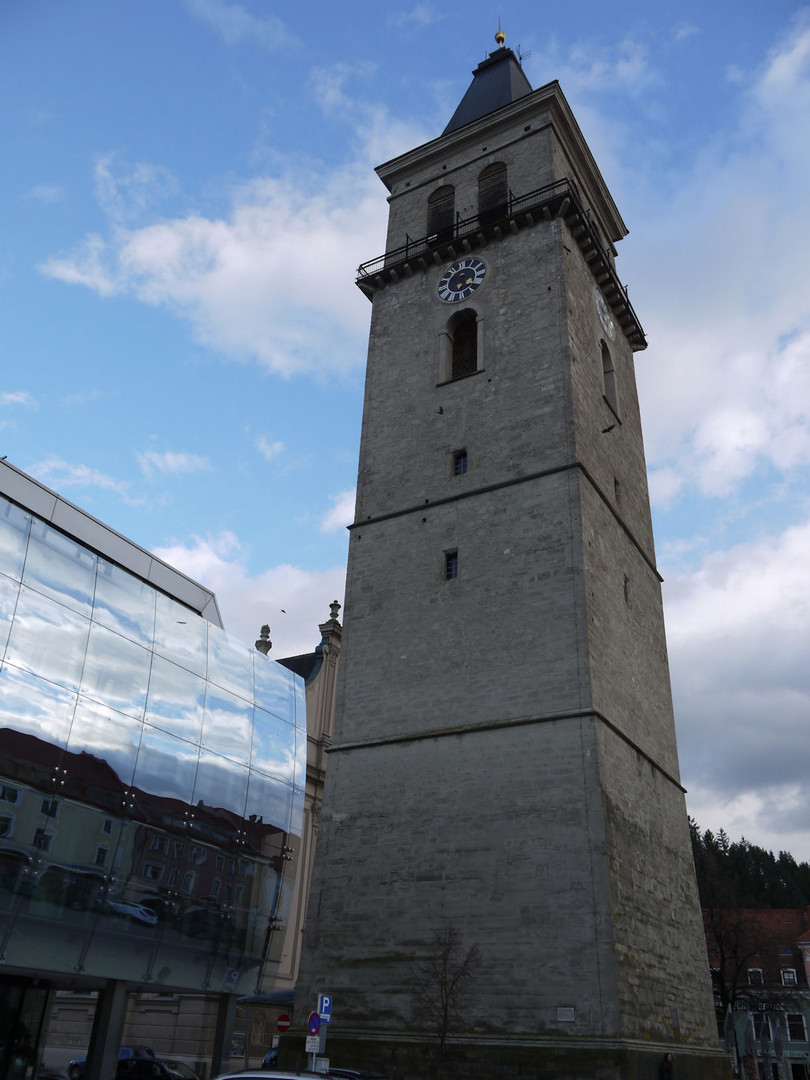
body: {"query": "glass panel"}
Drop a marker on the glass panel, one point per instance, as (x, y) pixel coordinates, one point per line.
(48, 639)
(300, 759)
(116, 671)
(9, 591)
(273, 746)
(300, 703)
(230, 663)
(102, 749)
(124, 603)
(228, 723)
(14, 527)
(274, 688)
(297, 815)
(180, 635)
(60, 567)
(221, 785)
(31, 705)
(269, 801)
(165, 769)
(176, 700)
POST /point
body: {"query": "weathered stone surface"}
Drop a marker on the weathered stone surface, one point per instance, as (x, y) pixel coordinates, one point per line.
(505, 752)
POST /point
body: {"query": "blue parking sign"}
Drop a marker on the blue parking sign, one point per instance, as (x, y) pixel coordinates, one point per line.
(325, 1007)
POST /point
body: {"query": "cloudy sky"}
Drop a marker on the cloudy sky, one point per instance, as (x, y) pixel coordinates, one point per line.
(187, 189)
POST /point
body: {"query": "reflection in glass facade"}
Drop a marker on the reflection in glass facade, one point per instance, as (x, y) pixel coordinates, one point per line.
(152, 774)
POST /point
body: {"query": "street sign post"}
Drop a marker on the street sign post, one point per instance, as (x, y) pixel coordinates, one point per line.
(325, 1007)
(314, 1023)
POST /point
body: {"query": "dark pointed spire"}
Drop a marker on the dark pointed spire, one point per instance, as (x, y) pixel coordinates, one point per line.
(497, 81)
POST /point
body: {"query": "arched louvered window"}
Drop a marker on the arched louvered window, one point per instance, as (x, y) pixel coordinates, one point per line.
(441, 214)
(609, 379)
(493, 193)
(464, 337)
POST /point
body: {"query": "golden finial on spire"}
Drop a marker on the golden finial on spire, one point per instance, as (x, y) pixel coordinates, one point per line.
(500, 37)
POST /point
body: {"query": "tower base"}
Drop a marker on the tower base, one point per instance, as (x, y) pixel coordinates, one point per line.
(511, 1058)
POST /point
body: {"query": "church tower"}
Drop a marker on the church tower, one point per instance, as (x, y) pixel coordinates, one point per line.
(504, 768)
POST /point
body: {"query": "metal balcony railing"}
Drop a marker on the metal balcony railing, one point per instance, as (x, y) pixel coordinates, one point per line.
(559, 199)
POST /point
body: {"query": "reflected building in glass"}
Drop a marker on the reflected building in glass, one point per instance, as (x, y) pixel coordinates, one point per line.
(152, 773)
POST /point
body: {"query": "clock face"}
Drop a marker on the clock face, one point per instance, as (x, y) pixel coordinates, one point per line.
(605, 316)
(461, 279)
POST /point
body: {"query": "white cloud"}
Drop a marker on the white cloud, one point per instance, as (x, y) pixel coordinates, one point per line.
(420, 15)
(172, 463)
(273, 279)
(342, 512)
(45, 193)
(267, 449)
(293, 601)
(721, 275)
(235, 24)
(739, 637)
(61, 474)
(126, 192)
(16, 397)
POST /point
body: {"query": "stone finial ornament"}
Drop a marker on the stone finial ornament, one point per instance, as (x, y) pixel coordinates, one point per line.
(264, 644)
(334, 608)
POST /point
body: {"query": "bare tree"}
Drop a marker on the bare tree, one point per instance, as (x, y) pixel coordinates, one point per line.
(441, 983)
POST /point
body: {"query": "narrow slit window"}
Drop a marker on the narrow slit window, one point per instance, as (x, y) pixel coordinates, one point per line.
(460, 463)
(450, 565)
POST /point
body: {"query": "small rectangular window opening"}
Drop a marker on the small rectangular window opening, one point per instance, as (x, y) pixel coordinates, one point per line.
(450, 565)
(460, 463)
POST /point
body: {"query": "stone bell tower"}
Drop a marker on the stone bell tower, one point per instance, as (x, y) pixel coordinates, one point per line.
(504, 758)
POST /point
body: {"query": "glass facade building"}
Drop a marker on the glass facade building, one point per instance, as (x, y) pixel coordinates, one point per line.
(152, 775)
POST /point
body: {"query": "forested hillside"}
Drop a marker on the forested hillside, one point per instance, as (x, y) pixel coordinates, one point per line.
(742, 875)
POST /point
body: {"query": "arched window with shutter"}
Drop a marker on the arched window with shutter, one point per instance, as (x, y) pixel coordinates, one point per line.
(463, 332)
(609, 387)
(441, 214)
(493, 193)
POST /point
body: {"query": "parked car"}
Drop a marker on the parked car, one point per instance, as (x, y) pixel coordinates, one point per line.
(77, 1066)
(144, 1069)
(179, 1069)
(136, 912)
(272, 1074)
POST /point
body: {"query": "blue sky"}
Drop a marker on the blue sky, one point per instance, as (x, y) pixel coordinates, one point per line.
(187, 190)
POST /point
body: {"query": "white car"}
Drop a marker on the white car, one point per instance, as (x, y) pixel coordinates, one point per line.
(136, 912)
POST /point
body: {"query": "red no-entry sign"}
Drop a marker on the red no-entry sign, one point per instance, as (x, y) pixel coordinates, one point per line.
(283, 1022)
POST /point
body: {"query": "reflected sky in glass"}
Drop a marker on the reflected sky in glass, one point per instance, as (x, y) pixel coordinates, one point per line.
(124, 603)
(221, 784)
(269, 800)
(180, 635)
(230, 664)
(162, 770)
(274, 688)
(48, 639)
(14, 527)
(273, 747)
(38, 708)
(60, 568)
(107, 735)
(166, 766)
(176, 700)
(116, 671)
(9, 590)
(227, 725)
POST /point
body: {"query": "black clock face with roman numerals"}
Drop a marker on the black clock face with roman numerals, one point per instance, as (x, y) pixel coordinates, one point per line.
(461, 279)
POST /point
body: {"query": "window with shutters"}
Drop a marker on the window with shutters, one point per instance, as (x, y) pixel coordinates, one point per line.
(463, 332)
(493, 193)
(441, 214)
(609, 379)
